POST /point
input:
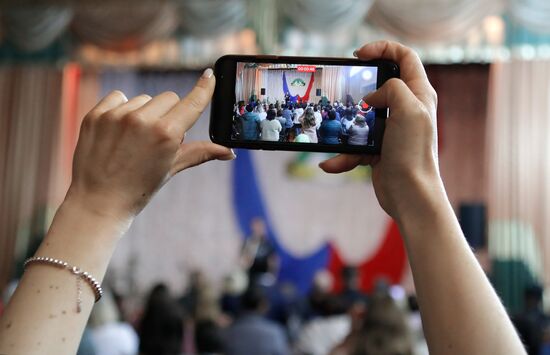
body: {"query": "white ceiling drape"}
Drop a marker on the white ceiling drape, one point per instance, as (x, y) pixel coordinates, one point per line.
(33, 29)
(125, 27)
(325, 15)
(432, 20)
(532, 14)
(210, 17)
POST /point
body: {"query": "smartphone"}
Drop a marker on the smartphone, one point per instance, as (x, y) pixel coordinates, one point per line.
(298, 103)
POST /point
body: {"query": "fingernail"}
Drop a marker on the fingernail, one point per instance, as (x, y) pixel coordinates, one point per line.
(234, 155)
(355, 53)
(207, 74)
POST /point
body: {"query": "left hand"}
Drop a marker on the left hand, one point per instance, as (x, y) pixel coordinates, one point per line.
(128, 149)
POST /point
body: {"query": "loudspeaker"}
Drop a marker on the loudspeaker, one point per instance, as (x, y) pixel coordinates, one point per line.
(262, 91)
(473, 221)
(318, 92)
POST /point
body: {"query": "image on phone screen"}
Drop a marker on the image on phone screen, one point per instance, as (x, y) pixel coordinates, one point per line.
(304, 104)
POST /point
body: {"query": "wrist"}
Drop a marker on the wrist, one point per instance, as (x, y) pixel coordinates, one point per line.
(423, 197)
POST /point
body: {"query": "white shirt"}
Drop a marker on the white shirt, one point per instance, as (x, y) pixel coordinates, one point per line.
(115, 339)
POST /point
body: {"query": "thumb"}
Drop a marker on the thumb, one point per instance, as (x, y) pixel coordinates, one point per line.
(394, 94)
(195, 153)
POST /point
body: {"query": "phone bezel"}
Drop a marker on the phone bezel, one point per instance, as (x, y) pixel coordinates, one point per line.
(221, 113)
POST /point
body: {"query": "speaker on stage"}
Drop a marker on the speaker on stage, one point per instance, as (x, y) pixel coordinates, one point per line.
(262, 91)
(318, 92)
(473, 221)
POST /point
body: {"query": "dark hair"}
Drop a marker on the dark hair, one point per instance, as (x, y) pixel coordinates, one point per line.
(249, 108)
(332, 115)
(271, 106)
(253, 299)
(279, 113)
(315, 108)
(208, 338)
(309, 118)
(161, 327)
(348, 114)
(283, 106)
(384, 330)
(271, 113)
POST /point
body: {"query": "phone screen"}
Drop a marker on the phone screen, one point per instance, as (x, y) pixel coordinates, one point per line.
(304, 104)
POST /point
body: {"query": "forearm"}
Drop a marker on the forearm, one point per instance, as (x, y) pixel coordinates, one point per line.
(41, 317)
(461, 312)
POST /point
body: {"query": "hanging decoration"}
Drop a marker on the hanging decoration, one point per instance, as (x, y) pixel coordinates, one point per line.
(298, 98)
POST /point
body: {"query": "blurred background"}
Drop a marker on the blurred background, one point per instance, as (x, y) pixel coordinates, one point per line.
(319, 247)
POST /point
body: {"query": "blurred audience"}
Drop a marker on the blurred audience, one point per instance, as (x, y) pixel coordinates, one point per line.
(532, 322)
(161, 328)
(381, 330)
(110, 335)
(252, 332)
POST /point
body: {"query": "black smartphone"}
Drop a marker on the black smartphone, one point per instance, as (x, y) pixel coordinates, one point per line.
(298, 103)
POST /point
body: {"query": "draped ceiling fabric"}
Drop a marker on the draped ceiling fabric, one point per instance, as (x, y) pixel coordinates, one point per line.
(33, 29)
(432, 20)
(211, 17)
(325, 15)
(121, 27)
(519, 172)
(533, 14)
(292, 27)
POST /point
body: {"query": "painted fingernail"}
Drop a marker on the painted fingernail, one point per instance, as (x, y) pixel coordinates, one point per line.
(207, 74)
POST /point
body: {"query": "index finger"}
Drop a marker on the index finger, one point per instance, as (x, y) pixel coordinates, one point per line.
(411, 68)
(186, 112)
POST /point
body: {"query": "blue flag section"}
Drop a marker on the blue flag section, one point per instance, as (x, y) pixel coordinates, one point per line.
(249, 203)
(287, 91)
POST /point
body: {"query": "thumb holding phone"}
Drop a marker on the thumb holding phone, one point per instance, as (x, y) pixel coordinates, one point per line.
(408, 160)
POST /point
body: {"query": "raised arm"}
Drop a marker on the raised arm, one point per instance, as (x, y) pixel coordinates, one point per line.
(461, 312)
(126, 151)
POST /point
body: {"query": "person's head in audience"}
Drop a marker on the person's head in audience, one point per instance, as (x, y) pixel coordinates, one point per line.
(279, 113)
(208, 338)
(533, 297)
(315, 108)
(249, 108)
(254, 301)
(161, 327)
(350, 277)
(271, 114)
(271, 106)
(332, 115)
(384, 330)
(360, 121)
(284, 106)
(348, 114)
(309, 118)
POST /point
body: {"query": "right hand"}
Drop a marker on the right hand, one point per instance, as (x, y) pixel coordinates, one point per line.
(407, 168)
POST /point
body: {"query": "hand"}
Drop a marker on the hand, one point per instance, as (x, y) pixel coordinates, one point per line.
(408, 162)
(128, 149)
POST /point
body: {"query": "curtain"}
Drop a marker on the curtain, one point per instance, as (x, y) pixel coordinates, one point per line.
(29, 130)
(332, 86)
(246, 83)
(519, 174)
(431, 20)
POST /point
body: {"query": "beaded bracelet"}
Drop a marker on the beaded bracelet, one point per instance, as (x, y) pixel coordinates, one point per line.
(80, 275)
